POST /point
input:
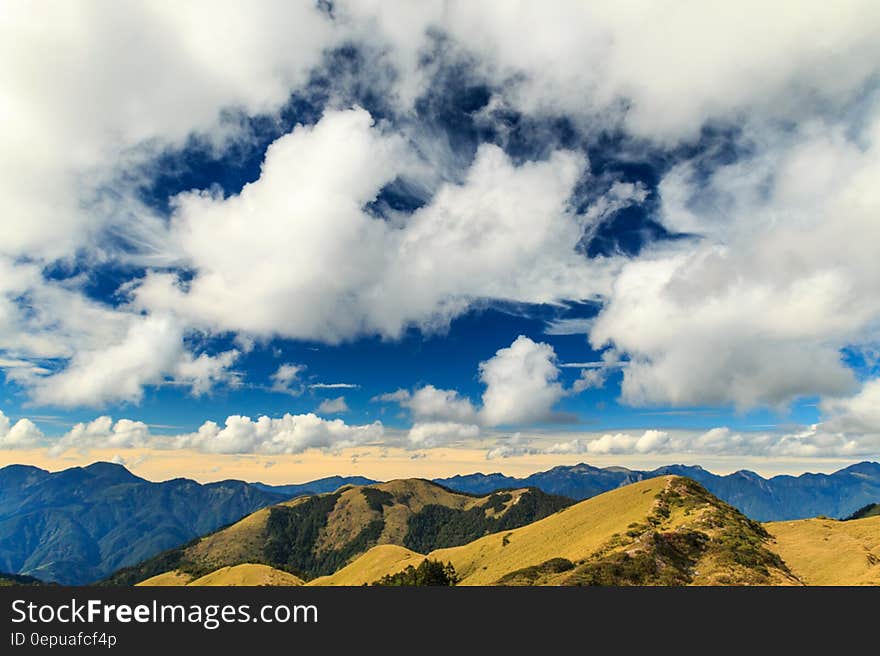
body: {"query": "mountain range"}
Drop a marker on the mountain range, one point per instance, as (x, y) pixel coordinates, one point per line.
(78, 525)
(666, 530)
(764, 499)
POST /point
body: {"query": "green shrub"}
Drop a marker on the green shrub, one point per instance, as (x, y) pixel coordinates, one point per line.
(429, 572)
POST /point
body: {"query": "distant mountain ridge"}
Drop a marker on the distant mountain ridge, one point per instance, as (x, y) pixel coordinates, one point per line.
(319, 486)
(763, 499)
(77, 525)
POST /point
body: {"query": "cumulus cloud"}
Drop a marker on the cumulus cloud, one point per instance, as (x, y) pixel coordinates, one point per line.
(590, 379)
(103, 433)
(651, 441)
(785, 277)
(818, 440)
(521, 387)
(521, 383)
(648, 442)
(333, 406)
(300, 237)
(430, 403)
(287, 434)
(116, 372)
(20, 435)
(150, 351)
(436, 433)
(239, 434)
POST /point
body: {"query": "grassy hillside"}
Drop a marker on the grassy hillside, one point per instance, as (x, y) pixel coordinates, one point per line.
(572, 534)
(377, 562)
(663, 531)
(318, 535)
(173, 578)
(829, 552)
(247, 574)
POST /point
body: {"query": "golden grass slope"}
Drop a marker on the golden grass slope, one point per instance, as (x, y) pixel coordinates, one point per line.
(238, 543)
(830, 552)
(373, 565)
(168, 579)
(573, 533)
(247, 574)
(663, 531)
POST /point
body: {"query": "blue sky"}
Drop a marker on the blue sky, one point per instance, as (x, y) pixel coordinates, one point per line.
(375, 366)
(341, 202)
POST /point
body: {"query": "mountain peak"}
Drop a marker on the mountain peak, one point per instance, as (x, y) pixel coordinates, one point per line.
(746, 473)
(864, 467)
(111, 471)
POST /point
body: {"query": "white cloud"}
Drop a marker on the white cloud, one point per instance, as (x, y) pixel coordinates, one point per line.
(285, 376)
(205, 371)
(636, 63)
(436, 433)
(118, 372)
(333, 406)
(786, 276)
(590, 379)
(299, 238)
(131, 82)
(651, 441)
(400, 396)
(521, 387)
(42, 320)
(333, 386)
(859, 413)
(287, 434)
(105, 434)
(22, 434)
(520, 383)
(815, 441)
(430, 403)
(125, 76)
(150, 351)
